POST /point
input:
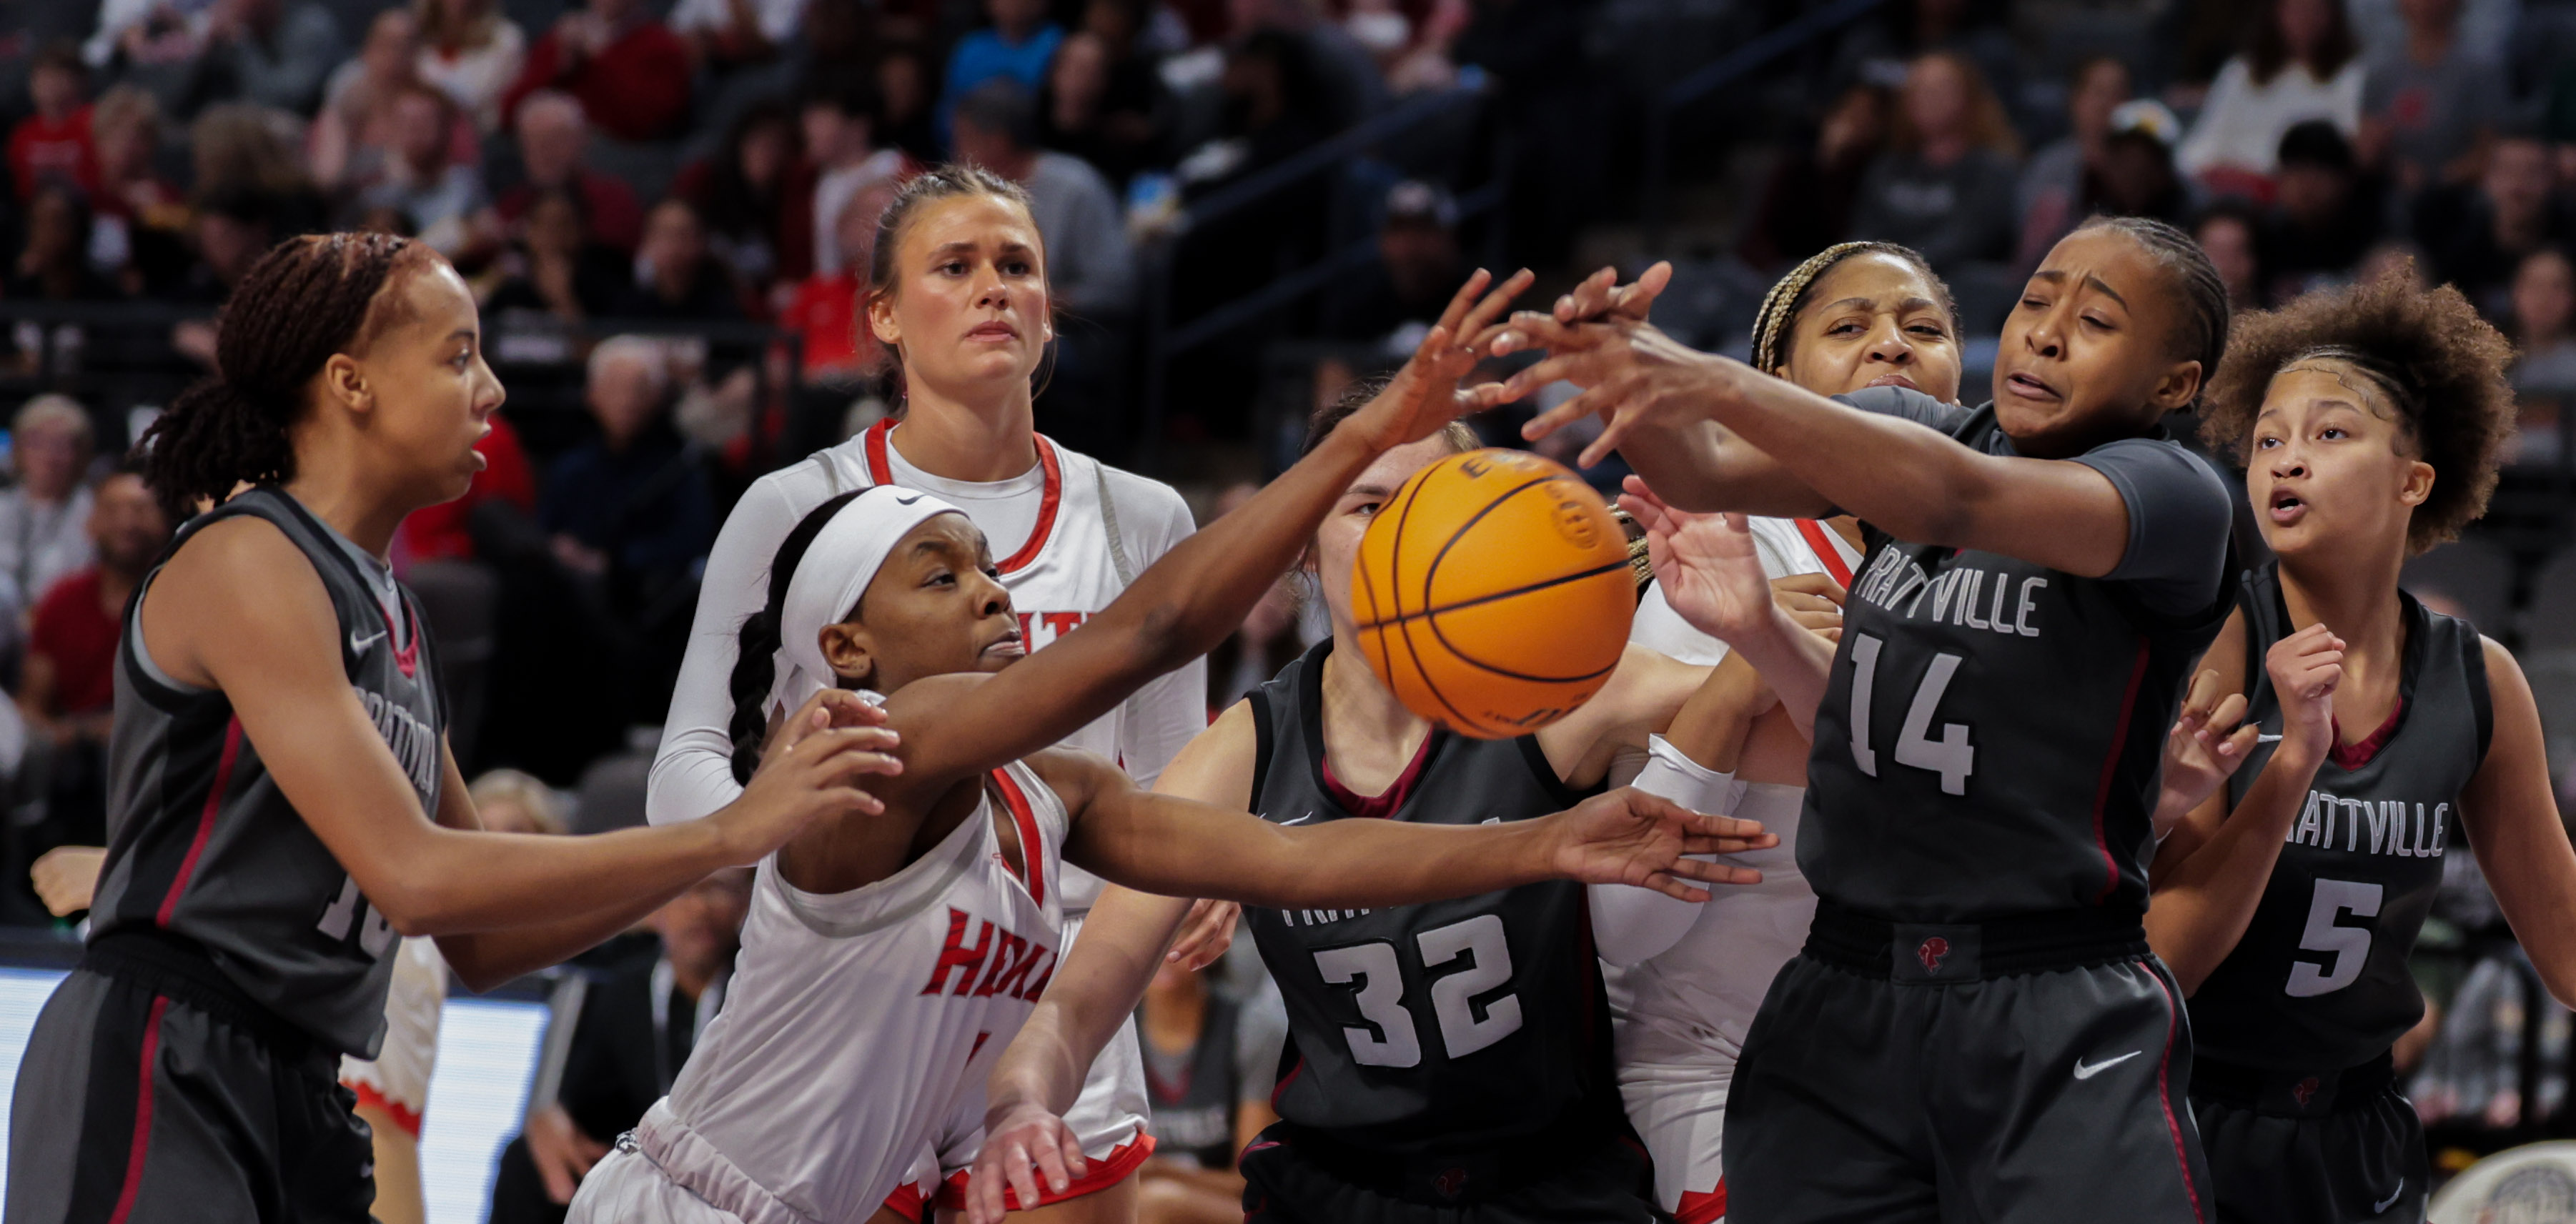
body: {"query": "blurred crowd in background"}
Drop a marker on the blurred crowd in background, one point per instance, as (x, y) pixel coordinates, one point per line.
(668, 211)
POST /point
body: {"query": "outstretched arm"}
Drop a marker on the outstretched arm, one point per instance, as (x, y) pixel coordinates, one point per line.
(1180, 847)
(2209, 875)
(1713, 577)
(1183, 605)
(1910, 480)
(2513, 825)
(240, 608)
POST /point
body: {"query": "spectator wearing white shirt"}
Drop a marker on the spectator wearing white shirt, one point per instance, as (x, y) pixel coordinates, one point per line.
(727, 33)
(2300, 63)
(471, 51)
(44, 518)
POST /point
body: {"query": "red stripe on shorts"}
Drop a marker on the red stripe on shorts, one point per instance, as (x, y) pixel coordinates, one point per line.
(142, 1116)
(2164, 1090)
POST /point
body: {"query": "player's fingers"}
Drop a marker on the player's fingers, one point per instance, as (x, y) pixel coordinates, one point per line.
(2229, 712)
(1460, 301)
(2240, 742)
(1048, 1152)
(1020, 1173)
(1664, 883)
(983, 1195)
(1614, 430)
(2202, 695)
(1709, 872)
(1636, 300)
(1557, 418)
(1472, 329)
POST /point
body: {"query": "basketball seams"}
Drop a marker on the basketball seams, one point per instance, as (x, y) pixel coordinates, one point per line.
(1411, 493)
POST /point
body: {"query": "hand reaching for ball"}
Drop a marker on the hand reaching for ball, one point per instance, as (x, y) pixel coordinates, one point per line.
(1706, 564)
(1424, 397)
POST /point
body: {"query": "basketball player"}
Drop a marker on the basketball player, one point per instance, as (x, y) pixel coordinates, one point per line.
(883, 956)
(2371, 421)
(1976, 1025)
(1855, 315)
(1072, 532)
(283, 803)
(1446, 1061)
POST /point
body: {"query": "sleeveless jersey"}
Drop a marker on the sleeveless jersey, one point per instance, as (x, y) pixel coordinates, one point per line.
(1193, 1115)
(1992, 733)
(1097, 527)
(201, 843)
(2319, 979)
(1451, 1026)
(859, 1027)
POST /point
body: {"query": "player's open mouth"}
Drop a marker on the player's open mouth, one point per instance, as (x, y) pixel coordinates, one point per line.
(2286, 508)
(2029, 388)
(1894, 380)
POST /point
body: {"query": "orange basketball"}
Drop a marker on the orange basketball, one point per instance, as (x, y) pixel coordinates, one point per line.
(1493, 594)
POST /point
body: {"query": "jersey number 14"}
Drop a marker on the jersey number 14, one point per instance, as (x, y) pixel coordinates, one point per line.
(1381, 992)
(350, 908)
(1950, 756)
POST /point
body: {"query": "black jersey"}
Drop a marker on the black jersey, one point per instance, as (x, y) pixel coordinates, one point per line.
(2319, 979)
(1192, 1107)
(1991, 736)
(202, 844)
(1452, 1026)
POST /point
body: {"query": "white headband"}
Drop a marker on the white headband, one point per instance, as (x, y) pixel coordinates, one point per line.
(837, 568)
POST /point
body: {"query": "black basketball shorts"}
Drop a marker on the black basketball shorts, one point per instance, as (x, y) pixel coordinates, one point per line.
(147, 1098)
(2325, 1148)
(2025, 1072)
(1291, 1177)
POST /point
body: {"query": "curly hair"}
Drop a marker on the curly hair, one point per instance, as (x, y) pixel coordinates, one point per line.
(755, 664)
(2439, 365)
(305, 300)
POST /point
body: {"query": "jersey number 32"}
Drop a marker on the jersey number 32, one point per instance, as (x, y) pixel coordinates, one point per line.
(1380, 993)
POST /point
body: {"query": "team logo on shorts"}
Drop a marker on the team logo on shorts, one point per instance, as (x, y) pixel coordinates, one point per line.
(1930, 953)
(1451, 1182)
(2305, 1092)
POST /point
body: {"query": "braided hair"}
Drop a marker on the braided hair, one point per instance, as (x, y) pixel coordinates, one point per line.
(2202, 334)
(1772, 324)
(755, 667)
(305, 300)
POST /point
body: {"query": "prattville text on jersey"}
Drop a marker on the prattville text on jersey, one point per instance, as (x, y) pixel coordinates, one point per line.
(1294, 917)
(1009, 964)
(414, 744)
(2391, 826)
(1960, 596)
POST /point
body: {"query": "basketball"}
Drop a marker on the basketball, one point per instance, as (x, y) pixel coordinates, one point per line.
(1493, 593)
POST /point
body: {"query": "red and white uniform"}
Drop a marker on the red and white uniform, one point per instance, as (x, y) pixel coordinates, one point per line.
(1068, 536)
(857, 1033)
(1689, 978)
(396, 1080)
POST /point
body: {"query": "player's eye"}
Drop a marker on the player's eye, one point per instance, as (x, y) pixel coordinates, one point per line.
(2098, 323)
(1366, 509)
(1845, 328)
(1932, 331)
(2332, 432)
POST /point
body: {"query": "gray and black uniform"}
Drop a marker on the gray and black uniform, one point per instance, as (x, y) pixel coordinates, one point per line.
(188, 1069)
(1447, 1063)
(1976, 1029)
(2294, 1087)
(1195, 1093)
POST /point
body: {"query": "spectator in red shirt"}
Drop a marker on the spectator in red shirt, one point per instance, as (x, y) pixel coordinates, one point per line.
(552, 132)
(53, 145)
(629, 71)
(69, 686)
(825, 309)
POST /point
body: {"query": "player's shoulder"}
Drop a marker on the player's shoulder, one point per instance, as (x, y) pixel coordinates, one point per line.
(1910, 404)
(1154, 512)
(245, 551)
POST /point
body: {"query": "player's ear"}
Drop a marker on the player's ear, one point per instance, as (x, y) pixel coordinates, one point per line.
(850, 651)
(344, 383)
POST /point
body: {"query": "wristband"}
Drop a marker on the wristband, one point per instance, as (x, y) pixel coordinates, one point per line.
(1670, 774)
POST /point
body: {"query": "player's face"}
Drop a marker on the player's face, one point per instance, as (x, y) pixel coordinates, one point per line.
(969, 311)
(1337, 541)
(2329, 466)
(936, 606)
(1874, 321)
(2087, 354)
(432, 396)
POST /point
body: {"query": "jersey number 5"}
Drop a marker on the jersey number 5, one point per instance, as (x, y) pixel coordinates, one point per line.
(2349, 946)
(1381, 992)
(1950, 756)
(375, 934)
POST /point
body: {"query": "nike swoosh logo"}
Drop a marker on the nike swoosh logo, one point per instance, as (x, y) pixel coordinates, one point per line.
(1300, 820)
(358, 645)
(2084, 1072)
(906, 501)
(2391, 1200)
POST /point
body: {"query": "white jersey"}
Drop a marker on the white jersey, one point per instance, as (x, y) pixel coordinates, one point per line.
(860, 1026)
(1068, 537)
(1679, 1016)
(396, 1080)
